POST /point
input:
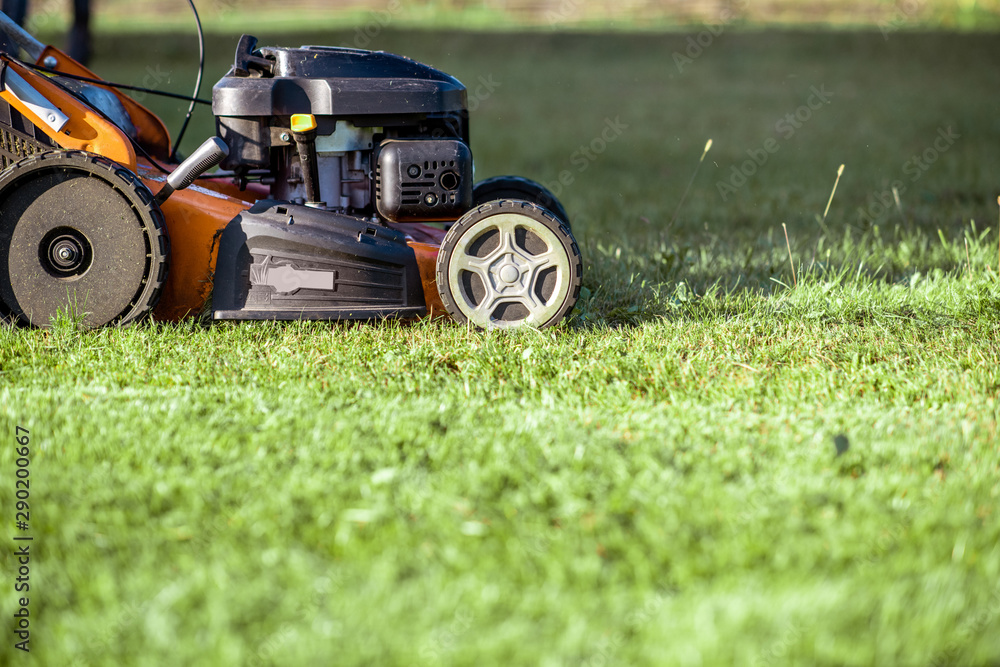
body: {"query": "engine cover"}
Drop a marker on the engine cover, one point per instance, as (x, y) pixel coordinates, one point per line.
(367, 88)
(423, 180)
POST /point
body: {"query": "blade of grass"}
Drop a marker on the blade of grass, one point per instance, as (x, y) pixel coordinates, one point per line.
(840, 173)
(791, 261)
(708, 146)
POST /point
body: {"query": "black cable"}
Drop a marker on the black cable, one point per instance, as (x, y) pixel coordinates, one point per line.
(145, 154)
(197, 83)
(73, 93)
(122, 86)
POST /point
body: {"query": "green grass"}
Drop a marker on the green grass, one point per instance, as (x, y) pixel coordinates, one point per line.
(656, 482)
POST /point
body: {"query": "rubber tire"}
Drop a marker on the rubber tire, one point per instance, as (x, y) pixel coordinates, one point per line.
(476, 216)
(115, 244)
(517, 187)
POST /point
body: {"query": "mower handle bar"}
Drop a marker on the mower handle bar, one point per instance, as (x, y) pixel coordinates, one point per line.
(21, 37)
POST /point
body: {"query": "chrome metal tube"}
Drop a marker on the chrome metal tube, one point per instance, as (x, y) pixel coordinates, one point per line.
(21, 37)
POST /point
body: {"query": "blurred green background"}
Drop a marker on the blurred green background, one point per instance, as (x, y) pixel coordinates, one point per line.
(544, 14)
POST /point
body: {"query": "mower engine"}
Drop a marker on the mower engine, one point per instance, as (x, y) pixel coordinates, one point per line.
(390, 136)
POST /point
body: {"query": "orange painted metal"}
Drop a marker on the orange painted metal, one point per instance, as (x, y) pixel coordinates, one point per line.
(152, 133)
(195, 219)
(86, 129)
(427, 264)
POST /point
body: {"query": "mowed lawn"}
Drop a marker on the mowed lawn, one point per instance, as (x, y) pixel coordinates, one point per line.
(715, 461)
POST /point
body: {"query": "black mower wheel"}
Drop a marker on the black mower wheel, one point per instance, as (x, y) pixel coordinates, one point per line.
(516, 187)
(79, 233)
(509, 263)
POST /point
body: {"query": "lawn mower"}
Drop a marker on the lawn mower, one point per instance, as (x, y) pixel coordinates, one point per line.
(344, 190)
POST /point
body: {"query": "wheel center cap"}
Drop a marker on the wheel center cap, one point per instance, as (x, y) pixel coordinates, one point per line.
(509, 274)
(65, 253)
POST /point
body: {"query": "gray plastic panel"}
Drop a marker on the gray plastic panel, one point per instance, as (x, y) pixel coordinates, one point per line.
(282, 261)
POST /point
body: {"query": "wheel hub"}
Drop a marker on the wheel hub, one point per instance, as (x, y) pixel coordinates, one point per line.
(65, 253)
(510, 271)
(507, 271)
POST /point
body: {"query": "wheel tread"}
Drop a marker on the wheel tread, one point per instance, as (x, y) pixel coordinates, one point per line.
(454, 233)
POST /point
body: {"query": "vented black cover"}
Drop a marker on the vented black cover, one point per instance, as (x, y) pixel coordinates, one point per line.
(423, 180)
(279, 261)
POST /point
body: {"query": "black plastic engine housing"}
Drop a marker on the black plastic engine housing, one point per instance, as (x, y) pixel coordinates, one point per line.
(423, 180)
(254, 101)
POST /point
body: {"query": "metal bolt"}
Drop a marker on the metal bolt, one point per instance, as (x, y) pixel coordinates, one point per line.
(285, 136)
(50, 62)
(52, 118)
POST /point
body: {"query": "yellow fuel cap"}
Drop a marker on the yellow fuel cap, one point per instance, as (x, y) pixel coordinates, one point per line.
(303, 122)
